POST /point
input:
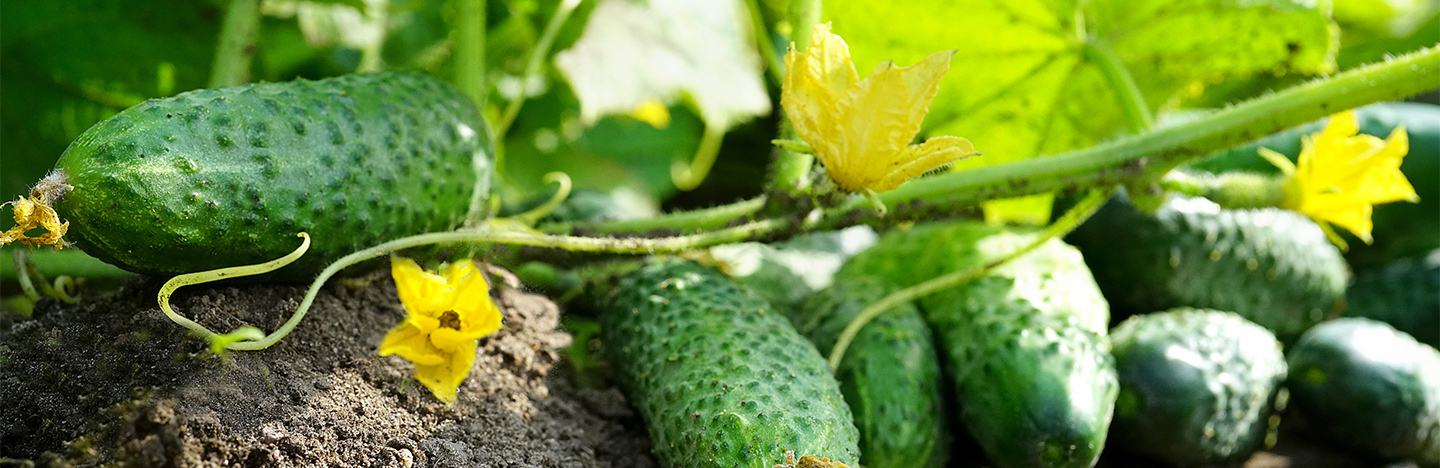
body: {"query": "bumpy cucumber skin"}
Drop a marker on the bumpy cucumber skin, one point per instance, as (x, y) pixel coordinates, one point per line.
(720, 378)
(1363, 384)
(1401, 229)
(1197, 387)
(228, 176)
(1026, 346)
(1404, 294)
(1271, 266)
(890, 374)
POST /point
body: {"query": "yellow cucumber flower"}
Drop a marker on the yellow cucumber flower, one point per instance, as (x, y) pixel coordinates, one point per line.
(444, 318)
(861, 129)
(1341, 175)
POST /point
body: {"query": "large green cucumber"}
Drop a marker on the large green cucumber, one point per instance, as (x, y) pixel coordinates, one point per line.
(1401, 229)
(890, 374)
(1404, 294)
(1197, 387)
(221, 177)
(721, 379)
(1271, 266)
(1026, 344)
(1365, 385)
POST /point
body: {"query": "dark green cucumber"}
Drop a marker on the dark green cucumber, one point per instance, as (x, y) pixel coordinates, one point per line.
(1404, 294)
(223, 177)
(1401, 229)
(720, 378)
(1197, 387)
(1026, 344)
(1271, 266)
(1365, 385)
(890, 374)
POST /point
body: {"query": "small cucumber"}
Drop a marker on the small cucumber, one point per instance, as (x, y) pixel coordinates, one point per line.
(1271, 266)
(1404, 294)
(1365, 385)
(1026, 344)
(1401, 229)
(1197, 387)
(890, 374)
(720, 378)
(228, 176)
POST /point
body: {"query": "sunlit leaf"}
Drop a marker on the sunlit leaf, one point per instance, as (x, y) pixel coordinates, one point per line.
(634, 52)
(1020, 84)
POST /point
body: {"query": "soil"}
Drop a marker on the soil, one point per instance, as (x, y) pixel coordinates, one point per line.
(113, 380)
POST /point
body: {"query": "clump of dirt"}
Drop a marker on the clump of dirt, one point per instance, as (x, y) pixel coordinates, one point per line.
(113, 380)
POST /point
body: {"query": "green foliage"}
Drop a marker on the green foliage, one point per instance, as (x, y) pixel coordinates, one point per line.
(633, 52)
(1022, 85)
(69, 64)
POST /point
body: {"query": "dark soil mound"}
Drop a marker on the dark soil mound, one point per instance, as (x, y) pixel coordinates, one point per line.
(113, 380)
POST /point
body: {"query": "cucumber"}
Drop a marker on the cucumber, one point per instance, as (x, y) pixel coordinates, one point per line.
(1197, 387)
(1401, 229)
(221, 177)
(1365, 385)
(1404, 294)
(1271, 266)
(719, 377)
(890, 374)
(1025, 345)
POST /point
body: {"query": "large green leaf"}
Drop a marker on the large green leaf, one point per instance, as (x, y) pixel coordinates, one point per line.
(634, 52)
(69, 64)
(1021, 84)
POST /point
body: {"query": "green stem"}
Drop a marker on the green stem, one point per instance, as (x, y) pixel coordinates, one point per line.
(683, 221)
(529, 218)
(687, 177)
(532, 68)
(372, 56)
(773, 66)
(22, 275)
(804, 15)
(1071, 220)
(1159, 151)
(790, 173)
(470, 50)
(236, 44)
(1127, 93)
(1235, 190)
(488, 234)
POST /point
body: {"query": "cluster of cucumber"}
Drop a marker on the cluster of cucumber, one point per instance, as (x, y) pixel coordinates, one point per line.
(1022, 358)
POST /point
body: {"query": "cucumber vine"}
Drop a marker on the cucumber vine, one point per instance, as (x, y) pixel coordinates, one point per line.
(1142, 157)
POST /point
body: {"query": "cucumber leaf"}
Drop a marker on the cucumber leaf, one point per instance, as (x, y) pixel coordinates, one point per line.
(69, 64)
(636, 52)
(1020, 84)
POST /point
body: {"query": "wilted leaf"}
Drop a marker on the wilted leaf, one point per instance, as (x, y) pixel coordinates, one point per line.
(1020, 84)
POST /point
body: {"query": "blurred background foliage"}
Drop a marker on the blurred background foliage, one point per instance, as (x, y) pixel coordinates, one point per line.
(65, 65)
